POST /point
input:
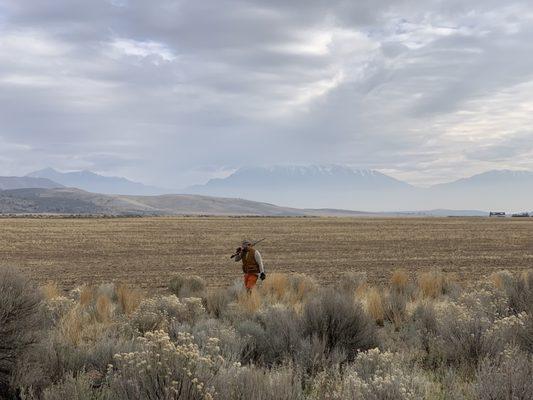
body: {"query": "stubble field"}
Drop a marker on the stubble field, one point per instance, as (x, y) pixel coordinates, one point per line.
(146, 252)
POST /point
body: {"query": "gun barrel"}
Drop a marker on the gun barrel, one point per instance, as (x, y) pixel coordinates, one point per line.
(259, 241)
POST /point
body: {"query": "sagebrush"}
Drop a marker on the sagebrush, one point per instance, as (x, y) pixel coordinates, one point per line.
(420, 337)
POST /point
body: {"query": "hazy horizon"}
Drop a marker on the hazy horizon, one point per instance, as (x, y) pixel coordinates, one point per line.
(173, 93)
(231, 172)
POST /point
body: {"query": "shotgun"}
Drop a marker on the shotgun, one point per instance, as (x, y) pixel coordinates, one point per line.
(239, 249)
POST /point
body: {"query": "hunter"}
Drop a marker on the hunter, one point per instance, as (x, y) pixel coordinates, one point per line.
(252, 264)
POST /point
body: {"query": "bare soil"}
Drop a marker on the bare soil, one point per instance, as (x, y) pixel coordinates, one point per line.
(147, 251)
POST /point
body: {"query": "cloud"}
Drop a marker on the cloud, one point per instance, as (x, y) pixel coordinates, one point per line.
(176, 92)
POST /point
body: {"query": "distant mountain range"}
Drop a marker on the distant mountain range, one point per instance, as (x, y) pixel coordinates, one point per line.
(308, 186)
(303, 178)
(369, 190)
(96, 183)
(302, 190)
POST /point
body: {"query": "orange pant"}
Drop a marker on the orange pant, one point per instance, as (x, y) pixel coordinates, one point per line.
(250, 280)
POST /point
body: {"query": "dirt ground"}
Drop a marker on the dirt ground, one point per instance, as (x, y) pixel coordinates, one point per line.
(148, 251)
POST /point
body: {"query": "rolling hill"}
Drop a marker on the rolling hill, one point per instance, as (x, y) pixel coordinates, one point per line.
(21, 182)
(76, 201)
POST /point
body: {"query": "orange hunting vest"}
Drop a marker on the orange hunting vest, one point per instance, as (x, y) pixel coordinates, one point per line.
(249, 265)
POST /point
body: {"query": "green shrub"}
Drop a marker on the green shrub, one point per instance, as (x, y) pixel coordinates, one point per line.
(244, 383)
(461, 338)
(20, 321)
(274, 336)
(75, 388)
(187, 286)
(340, 322)
(55, 358)
(217, 301)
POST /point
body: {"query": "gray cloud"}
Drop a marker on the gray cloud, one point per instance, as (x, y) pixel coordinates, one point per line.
(178, 91)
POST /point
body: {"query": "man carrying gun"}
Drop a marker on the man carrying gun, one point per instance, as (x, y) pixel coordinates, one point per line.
(252, 264)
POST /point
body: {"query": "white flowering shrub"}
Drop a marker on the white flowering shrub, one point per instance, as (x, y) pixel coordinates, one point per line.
(486, 302)
(203, 330)
(508, 376)
(162, 369)
(461, 337)
(157, 313)
(374, 375)
(507, 330)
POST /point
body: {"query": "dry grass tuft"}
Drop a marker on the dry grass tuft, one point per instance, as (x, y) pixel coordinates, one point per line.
(351, 281)
(103, 308)
(501, 279)
(374, 304)
(128, 298)
(362, 290)
(276, 286)
(86, 295)
(399, 281)
(249, 302)
(431, 284)
(50, 291)
(527, 278)
(72, 324)
(302, 286)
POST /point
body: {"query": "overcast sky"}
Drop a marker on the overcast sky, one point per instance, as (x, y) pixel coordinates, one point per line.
(174, 92)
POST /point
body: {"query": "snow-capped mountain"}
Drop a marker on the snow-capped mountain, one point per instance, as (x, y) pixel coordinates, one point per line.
(307, 186)
(338, 186)
(96, 183)
(303, 176)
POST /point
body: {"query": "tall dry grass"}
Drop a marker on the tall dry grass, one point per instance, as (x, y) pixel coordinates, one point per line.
(103, 308)
(276, 287)
(128, 298)
(249, 302)
(431, 284)
(374, 305)
(87, 294)
(399, 281)
(50, 291)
